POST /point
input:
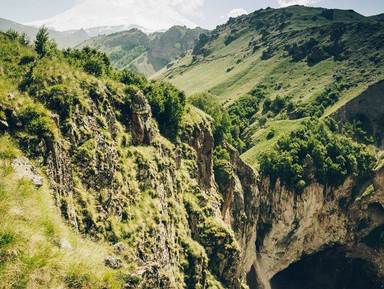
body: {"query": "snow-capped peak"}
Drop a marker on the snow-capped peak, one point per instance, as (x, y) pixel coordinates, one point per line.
(151, 15)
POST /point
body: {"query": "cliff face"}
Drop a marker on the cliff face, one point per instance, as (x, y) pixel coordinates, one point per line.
(368, 109)
(161, 207)
(116, 179)
(292, 240)
(291, 227)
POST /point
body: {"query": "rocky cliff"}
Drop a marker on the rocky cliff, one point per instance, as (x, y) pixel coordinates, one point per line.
(115, 178)
(170, 214)
(160, 205)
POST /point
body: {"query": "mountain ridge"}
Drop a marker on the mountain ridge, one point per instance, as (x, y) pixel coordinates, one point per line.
(146, 53)
(286, 52)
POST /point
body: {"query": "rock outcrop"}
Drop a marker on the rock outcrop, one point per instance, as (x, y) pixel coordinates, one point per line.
(292, 226)
(143, 130)
(367, 108)
(26, 170)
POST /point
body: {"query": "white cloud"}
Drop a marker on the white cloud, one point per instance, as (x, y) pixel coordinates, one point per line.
(184, 7)
(285, 3)
(188, 7)
(236, 12)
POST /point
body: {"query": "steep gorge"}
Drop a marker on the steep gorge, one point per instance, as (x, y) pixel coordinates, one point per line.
(170, 219)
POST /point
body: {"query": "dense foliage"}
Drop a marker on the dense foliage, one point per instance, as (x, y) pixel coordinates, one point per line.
(222, 123)
(243, 110)
(167, 103)
(93, 61)
(315, 153)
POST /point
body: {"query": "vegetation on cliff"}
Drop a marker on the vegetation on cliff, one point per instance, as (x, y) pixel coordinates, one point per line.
(317, 152)
(113, 177)
(274, 68)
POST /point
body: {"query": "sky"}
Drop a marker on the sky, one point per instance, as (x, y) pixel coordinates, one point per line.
(205, 13)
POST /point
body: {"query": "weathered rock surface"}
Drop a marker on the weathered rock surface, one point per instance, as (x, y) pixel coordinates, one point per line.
(26, 170)
(114, 263)
(367, 108)
(291, 226)
(143, 129)
(182, 223)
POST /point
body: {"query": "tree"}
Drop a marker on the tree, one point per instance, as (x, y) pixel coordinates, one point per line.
(24, 39)
(13, 34)
(42, 42)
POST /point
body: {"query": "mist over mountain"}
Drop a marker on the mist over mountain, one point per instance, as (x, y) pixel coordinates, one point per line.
(63, 39)
(148, 15)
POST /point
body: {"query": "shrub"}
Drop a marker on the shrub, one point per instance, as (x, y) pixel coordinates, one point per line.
(222, 123)
(315, 153)
(6, 238)
(42, 44)
(92, 61)
(199, 47)
(13, 34)
(37, 124)
(94, 66)
(24, 39)
(167, 105)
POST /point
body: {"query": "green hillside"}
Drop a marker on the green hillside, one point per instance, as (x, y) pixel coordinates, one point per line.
(309, 62)
(145, 53)
(379, 17)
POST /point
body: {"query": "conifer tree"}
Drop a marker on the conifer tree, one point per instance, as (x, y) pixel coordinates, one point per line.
(42, 42)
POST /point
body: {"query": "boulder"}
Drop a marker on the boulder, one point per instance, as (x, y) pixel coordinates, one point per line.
(114, 263)
(24, 168)
(143, 129)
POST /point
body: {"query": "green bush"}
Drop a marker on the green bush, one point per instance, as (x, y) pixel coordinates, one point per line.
(6, 238)
(37, 123)
(94, 66)
(222, 122)
(315, 153)
(168, 104)
(166, 101)
(92, 61)
(230, 124)
(327, 98)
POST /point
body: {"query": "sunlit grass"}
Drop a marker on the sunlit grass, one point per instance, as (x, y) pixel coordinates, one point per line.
(32, 234)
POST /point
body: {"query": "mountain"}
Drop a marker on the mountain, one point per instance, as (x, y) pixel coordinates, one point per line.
(297, 55)
(63, 39)
(99, 16)
(146, 53)
(379, 17)
(111, 180)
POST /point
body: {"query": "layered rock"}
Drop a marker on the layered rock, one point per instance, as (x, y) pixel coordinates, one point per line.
(292, 226)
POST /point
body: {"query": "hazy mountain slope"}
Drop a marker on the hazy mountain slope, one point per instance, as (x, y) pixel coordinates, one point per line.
(246, 44)
(63, 39)
(146, 53)
(150, 15)
(297, 53)
(122, 47)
